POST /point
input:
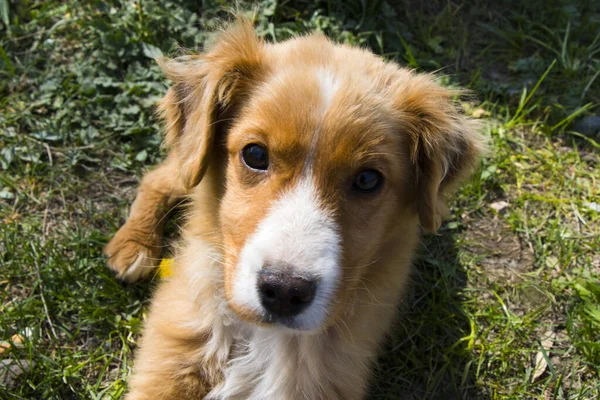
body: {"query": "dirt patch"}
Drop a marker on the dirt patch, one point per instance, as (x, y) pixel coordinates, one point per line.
(501, 253)
(595, 265)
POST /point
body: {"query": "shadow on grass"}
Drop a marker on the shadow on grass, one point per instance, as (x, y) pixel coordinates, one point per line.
(427, 355)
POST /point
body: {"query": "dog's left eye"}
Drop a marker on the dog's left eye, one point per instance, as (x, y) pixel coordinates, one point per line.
(256, 157)
(367, 181)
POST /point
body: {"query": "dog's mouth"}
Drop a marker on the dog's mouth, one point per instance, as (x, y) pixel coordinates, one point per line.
(308, 321)
(298, 324)
(286, 323)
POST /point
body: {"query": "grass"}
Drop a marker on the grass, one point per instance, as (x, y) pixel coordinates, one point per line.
(505, 302)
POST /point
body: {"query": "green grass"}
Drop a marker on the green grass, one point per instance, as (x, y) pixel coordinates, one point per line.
(500, 291)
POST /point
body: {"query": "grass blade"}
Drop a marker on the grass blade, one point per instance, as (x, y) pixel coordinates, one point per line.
(566, 121)
(519, 114)
(4, 15)
(563, 53)
(9, 65)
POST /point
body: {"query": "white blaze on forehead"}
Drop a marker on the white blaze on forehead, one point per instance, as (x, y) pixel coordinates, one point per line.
(329, 86)
(300, 234)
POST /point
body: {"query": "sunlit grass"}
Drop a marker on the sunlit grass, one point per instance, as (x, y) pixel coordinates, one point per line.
(504, 303)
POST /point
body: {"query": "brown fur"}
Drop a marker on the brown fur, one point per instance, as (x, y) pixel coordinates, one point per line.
(244, 91)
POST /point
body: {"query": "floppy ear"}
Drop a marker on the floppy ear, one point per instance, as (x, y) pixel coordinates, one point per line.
(205, 88)
(445, 146)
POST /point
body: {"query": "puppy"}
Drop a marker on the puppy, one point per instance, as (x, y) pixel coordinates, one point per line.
(311, 168)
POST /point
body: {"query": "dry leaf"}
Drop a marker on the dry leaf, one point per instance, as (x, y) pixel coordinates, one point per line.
(593, 206)
(499, 205)
(540, 361)
(552, 262)
(478, 113)
(16, 340)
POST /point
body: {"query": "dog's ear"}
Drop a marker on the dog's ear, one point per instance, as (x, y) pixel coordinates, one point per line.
(445, 146)
(205, 88)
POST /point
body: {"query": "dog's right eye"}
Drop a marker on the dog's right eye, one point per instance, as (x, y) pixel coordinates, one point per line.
(255, 157)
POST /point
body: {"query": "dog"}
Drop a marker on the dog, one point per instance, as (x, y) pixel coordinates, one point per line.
(311, 169)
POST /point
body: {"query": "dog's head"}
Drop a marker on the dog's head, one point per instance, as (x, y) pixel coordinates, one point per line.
(332, 155)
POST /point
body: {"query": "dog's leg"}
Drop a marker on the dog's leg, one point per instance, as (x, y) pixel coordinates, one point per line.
(182, 352)
(167, 368)
(135, 249)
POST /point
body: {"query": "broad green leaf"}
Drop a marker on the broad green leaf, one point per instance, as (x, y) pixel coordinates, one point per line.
(151, 51)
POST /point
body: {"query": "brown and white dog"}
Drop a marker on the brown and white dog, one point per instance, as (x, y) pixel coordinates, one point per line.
(310, 168)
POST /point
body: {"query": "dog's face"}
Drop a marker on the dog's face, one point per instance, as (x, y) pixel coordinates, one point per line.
(331, 155)
(315, 180)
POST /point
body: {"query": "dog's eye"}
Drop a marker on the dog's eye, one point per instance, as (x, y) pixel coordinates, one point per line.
(256, 157)
(367, 181)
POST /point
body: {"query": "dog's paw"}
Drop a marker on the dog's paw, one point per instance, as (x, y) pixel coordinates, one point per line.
(133, 256)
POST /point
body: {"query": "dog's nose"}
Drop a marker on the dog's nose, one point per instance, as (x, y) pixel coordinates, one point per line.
(285, 295)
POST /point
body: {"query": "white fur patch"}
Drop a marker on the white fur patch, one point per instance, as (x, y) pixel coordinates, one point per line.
(329, 86)
(297, 232)
(272, 365)
(261, 370)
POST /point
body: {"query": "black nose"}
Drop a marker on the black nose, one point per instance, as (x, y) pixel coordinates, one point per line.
(285, 295)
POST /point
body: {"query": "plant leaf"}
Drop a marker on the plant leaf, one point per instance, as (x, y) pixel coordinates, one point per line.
(151, 51)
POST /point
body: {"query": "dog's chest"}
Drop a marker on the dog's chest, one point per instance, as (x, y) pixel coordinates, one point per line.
(273, 365)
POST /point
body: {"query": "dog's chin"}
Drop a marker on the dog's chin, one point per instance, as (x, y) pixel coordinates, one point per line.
(263, 319)
(289, 325)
